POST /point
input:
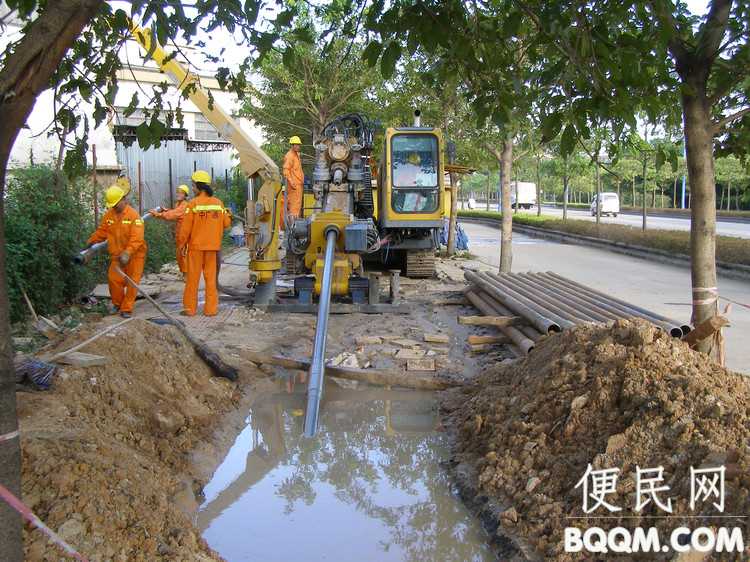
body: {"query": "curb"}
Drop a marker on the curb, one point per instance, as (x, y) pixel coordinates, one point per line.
(735, 271)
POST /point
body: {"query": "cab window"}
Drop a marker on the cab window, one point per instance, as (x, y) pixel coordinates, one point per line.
(414, 170)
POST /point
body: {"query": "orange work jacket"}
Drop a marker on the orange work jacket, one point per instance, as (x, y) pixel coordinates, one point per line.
(177, 214)
(204, 224)
(293, 169)
(122, 231)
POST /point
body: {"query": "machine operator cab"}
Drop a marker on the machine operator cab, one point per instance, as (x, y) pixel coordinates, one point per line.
(412, 173)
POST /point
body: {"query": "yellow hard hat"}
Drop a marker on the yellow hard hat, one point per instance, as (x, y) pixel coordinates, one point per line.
(185, 189)
(201, 176)
(414, 158)
(295, 140)
(124, 184)
(113, 195)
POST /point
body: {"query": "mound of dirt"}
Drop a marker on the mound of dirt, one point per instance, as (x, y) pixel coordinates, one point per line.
(623, 396)
(105, 452)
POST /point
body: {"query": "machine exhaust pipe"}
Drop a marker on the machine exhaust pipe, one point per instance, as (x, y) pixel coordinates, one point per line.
(84, 256)
(417, 118)
(317, 364)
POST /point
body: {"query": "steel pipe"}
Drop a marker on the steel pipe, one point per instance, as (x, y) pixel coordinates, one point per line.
(516, 336)
(594, 313)
(529, 331)
(317, 364)
(673, 327)
(550, 300)
(543, 324)
(503, 290)
(531, 300)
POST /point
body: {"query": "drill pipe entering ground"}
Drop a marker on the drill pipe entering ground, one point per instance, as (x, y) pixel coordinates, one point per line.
(318, 365)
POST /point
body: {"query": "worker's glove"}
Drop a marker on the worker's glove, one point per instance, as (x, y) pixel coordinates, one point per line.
(184, 250)
(124, 258)
(154, 212)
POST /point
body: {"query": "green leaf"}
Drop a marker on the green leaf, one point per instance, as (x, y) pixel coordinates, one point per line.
(288, 57)
(390, 58)
(567, 141)
(551, 125)
(132, 106)
(372, 52)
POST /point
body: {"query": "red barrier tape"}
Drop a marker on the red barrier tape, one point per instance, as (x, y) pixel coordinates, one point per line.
(27, 514)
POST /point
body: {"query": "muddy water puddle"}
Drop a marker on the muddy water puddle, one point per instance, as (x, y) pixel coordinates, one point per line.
(369, 487)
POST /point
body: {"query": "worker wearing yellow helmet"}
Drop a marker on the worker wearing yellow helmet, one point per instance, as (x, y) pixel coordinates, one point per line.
(122, 228)
(177, 215)
(200, 235)
(294, 176)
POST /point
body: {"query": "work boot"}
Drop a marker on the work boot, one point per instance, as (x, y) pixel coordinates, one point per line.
(126, 314)
(185, 313)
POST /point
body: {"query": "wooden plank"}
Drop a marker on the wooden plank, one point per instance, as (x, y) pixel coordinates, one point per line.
(80, 359)
(477, 340)
(407, 353)
(425, 364)
(372, 376)
(437, 338)
(406, 342)
(498, 321)
(368, 340)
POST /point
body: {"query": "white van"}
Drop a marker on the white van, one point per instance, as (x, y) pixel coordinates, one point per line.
(522, 194)
(610, 204)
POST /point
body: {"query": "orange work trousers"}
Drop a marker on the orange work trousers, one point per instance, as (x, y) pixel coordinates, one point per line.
(182, 261)
(294, 200)
(201, 261)
(120, 291)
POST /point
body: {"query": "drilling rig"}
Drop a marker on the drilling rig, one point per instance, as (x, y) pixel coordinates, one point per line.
(394, 219)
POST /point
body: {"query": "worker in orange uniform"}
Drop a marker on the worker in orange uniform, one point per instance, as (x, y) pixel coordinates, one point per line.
(177, 214)
(202, 229)
(294, 177)
(122, 228)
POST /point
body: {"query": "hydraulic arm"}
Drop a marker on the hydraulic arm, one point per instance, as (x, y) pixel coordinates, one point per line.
(263, 212)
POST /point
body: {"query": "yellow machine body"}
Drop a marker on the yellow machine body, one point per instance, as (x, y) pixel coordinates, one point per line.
(344, 263)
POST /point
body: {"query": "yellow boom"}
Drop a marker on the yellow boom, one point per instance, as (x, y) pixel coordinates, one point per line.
(264, 215)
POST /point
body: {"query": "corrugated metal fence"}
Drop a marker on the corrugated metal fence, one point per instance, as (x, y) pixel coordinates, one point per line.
(155, 164)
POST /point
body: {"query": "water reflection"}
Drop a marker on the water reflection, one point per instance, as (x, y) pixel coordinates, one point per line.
(368, 487)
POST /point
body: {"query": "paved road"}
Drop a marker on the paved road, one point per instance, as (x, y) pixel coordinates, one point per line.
(723, 227)
(665, 289)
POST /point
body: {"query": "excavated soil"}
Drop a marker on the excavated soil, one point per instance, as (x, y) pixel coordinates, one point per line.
(621, 396)
(105, 452)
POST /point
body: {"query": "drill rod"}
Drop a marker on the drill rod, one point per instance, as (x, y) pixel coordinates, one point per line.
(317, 365)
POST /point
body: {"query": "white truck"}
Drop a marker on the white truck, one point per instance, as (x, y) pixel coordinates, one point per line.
(522, 194)
(610, 204)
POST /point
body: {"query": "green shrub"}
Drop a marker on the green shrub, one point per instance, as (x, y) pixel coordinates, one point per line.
(161, 244)
(45, 225)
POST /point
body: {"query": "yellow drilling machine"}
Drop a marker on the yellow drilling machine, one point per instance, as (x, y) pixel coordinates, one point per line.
(350, 217)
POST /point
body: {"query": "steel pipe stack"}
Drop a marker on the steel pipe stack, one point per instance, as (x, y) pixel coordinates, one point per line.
(549, 302)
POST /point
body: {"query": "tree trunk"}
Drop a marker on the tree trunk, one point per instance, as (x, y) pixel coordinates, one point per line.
(565, 194)
(538, 189)
(632, 192)
(729, 194)
(506, 237)
(645, 164)
(674, 193)
(721, 201)
(700, 165)
(488, 191)
(26, 72)
(598, 193)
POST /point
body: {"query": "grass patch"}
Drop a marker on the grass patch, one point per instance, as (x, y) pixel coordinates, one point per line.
(657, 210)
(728, 248)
